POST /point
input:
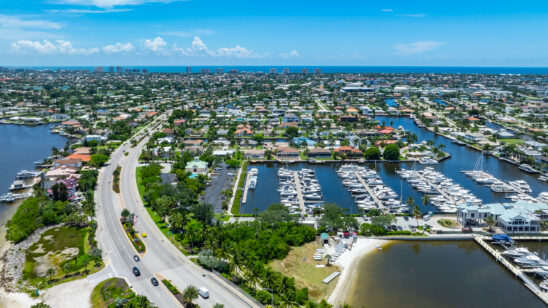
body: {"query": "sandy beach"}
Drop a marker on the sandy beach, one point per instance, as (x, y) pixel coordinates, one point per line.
(347, 262)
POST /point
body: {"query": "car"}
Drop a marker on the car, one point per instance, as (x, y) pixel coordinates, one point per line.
(400, 228)
(136, 258)
(136, 271)
(154, 281)
(143, 234)
(467, 230)
(406, 218)
(204, 293)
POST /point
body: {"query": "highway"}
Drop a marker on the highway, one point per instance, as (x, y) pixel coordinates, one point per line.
(161, 259)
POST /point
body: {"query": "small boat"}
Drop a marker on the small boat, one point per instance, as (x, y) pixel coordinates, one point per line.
(516, 252)
(528, 168)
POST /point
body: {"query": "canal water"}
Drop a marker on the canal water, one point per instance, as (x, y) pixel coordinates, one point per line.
(435, 274)
(463, 158)
(21, 147)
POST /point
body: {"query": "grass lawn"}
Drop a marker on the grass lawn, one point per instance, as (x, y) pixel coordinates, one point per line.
(300, 265)
(162, 225)
(56, 247)
(512, 141)
(106, 292)
(449, 223)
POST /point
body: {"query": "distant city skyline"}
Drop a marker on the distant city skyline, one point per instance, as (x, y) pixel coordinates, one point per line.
(284, 33)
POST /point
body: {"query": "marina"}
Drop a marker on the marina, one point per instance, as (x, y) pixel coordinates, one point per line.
(299, 190)
(442, 192)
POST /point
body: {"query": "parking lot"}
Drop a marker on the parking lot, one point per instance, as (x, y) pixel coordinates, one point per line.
(221, 180)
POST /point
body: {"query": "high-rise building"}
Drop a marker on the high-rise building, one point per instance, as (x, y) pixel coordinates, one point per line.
(286, 70)
(273, 70)
(145, 70)
(189, 70)
(233, 71)
(219, 70)
(119, 69)
(205, 71)
(304, 71)
(317, 70)
(111, 69)
(99, 69)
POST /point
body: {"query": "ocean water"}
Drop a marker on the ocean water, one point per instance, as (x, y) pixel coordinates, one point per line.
(332, 69)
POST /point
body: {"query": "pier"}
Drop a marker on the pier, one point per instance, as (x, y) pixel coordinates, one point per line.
(371, 193)
(299, 192)
(512, 268)
(246, 189)
(436, 187)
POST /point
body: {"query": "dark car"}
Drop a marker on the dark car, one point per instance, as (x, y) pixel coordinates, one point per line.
(406, 218)
(400, 228)
(154, 281)
(136, 271)
(136, 258)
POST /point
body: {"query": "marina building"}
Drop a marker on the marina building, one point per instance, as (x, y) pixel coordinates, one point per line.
(196, 166)
(517, 217)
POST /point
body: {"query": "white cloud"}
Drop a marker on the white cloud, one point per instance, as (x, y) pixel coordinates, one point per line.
(417, 47)
(199, 48)
(292, 54)
(15, 22)
(118, 48)
(47, 47)
(86, 11)
(189, 33)
(387, 10)
(111, 3)
(155, 45)
(412, 15)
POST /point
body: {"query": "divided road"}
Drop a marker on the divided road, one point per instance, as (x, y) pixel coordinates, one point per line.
(162, 259)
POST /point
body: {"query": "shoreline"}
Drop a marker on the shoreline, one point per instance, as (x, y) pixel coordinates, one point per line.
(348, 262)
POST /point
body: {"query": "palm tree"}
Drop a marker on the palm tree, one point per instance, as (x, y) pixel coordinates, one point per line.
(328, 258)
(50, 272)
(190, 294)
(425, 199)
(490, 221)
(417, 213)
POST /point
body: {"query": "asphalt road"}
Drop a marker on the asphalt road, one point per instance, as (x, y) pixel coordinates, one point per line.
(162, 259)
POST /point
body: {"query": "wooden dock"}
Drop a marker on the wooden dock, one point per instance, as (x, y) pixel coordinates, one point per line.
(512, 268)
(246, 189)
(437, 189)
(378, 202)
(299, 192)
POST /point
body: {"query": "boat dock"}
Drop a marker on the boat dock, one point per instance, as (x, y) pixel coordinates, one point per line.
(516, 271)
(437, 188)
(299, 192)
(246, 188)
(371, 193)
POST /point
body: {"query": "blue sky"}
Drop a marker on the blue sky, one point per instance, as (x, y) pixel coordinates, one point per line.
(261, 32)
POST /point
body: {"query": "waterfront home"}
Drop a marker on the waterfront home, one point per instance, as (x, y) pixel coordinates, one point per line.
(191, 142)
(254, 154)
(243, 132)
(97, 138)
(81, 157)
(348, 150)
(287, 152)
(290, 119)
(60, 172)
(517, 217)
(319, 153)
(69, 162)
(179, 122)
(196, 166)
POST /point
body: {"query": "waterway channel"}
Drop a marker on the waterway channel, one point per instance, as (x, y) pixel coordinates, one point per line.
(21, 147)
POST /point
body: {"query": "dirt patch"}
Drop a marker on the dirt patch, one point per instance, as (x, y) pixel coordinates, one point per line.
(43, 263)
(39, 249)
(69, 252)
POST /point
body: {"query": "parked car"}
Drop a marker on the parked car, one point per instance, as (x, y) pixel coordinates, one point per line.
(154, 281)
(136, 271)
(466, 230)
(204, 293)
(406, 218)
(136, 258)
(400, 228)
